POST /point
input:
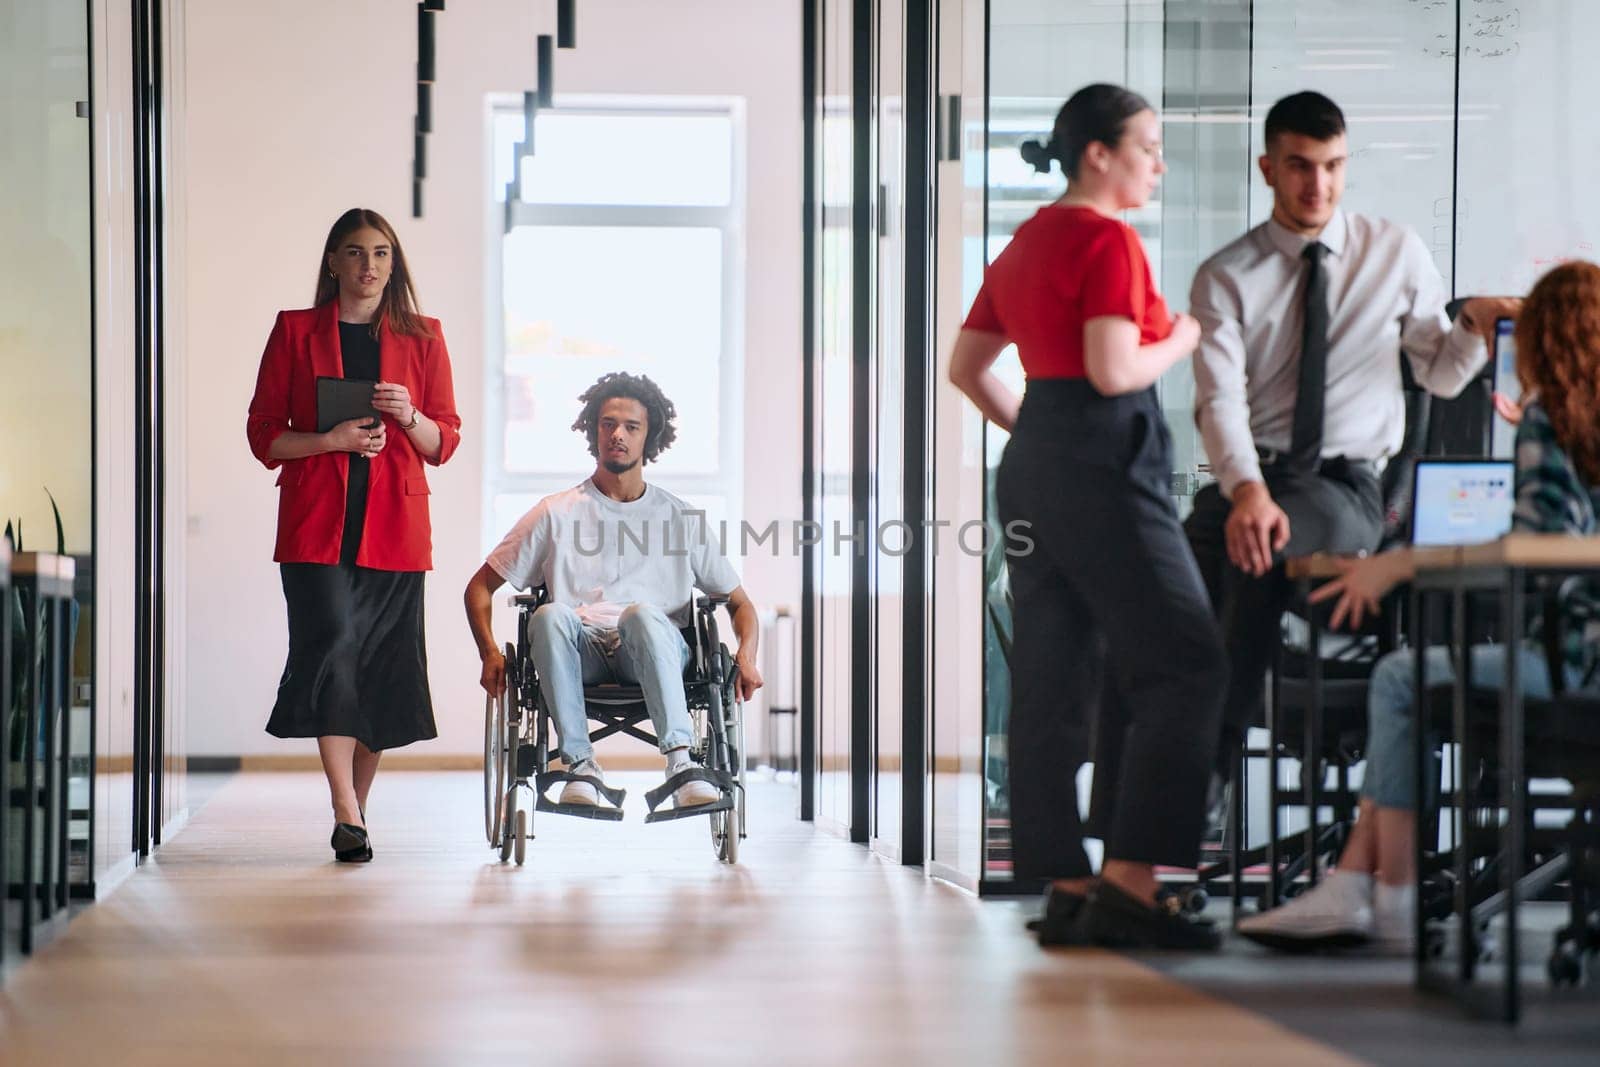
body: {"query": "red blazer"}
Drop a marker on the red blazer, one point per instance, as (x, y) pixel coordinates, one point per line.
(397, 535)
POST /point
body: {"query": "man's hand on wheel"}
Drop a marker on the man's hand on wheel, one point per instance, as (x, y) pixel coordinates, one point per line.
(493, 678)
(1256, 528)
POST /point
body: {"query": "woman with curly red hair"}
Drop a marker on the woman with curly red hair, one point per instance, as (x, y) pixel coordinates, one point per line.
(1371, 896)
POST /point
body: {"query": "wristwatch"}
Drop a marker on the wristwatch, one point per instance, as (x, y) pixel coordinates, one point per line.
(416, 413)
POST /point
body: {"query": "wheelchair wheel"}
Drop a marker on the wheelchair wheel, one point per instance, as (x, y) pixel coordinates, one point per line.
(509, 814)
(736, 732)
(494, 767)
(725, 834)
(520, 849)
(729, 852)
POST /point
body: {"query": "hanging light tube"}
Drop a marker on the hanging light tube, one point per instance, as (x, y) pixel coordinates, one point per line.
(425, 70)
(566, 24)
(546, 69)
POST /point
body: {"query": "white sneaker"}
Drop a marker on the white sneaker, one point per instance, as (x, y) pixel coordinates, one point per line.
(1394, 918)
(1336, 913)
(582, 792)
(690, 794)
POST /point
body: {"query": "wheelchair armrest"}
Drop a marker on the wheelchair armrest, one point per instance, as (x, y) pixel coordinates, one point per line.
(707, 641)
(709, 602)
(536, 597)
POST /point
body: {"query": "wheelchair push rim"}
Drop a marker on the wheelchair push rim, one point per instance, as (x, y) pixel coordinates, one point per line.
(494, 766)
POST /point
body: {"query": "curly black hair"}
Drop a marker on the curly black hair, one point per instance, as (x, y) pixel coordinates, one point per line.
(659, 432)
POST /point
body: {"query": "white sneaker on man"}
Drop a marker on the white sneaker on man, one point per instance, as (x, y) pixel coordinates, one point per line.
(1336, 913)
(582, 792)
(689, 794)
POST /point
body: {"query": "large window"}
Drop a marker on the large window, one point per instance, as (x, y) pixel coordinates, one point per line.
(623, 252)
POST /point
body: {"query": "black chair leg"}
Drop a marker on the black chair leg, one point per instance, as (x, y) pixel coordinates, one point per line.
(1236, 799)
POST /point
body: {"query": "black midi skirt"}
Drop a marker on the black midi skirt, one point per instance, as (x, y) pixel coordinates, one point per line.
(357, 665)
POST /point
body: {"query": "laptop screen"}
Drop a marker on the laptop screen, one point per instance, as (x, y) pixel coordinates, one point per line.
(1462, 502)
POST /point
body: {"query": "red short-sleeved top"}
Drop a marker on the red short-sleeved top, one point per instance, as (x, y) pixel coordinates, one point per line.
(1065, 266)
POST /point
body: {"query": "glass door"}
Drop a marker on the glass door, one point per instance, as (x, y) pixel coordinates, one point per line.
(47, 401)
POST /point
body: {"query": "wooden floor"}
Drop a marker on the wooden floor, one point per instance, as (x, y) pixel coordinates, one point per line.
(617, 944)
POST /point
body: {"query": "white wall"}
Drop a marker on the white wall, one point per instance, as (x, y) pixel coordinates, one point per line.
(297, 110)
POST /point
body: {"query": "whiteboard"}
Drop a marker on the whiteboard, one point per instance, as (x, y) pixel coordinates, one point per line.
(1529, 141)
(1390, 66)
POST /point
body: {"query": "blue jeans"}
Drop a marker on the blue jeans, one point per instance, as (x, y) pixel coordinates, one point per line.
(644, 650)
(1390, 777)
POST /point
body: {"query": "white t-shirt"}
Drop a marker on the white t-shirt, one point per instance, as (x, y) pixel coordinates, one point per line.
(599, 555)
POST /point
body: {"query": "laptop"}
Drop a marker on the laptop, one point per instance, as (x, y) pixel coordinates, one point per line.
(1462, 501)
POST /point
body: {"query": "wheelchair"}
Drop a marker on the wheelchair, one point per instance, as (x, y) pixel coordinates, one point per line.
(517, 751)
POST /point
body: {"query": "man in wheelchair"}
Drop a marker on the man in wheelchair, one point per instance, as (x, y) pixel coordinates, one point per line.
(620, 561)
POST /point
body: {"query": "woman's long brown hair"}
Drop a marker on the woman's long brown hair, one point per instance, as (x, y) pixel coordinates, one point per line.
(1558, 357)
(398, 305)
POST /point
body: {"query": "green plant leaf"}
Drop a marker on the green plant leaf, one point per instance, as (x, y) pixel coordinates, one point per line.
(61, 535)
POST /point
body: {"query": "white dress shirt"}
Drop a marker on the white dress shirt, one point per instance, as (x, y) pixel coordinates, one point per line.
(1385, 296)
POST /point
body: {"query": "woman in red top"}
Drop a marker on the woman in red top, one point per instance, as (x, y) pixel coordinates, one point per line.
(1109, 600)
(353, 528)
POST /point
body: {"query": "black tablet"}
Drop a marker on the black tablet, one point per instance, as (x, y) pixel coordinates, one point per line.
(342, 399)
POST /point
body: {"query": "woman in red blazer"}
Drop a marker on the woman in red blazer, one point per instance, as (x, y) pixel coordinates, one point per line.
(353, 532)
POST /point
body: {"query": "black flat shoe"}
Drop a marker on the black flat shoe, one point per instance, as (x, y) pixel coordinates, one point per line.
(1115, 919)
(1059, 923)
(350, 843)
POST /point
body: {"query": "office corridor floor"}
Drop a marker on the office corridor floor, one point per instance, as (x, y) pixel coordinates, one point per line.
(241, 942)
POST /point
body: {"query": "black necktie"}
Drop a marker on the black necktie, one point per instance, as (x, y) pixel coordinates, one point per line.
(1305, 448)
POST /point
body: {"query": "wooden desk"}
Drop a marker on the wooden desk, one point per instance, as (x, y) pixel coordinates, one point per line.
(5, 716)
(1526, 550)
(1323, 565)
(1502, 569)
(43, 584)
(1451, 571)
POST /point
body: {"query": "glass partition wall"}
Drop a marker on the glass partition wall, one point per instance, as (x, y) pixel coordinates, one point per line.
(46, 402)
(1467, 122)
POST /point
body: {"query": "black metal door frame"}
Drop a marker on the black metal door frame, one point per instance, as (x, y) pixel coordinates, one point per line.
(920, 95)
(921, 88)
(149, 427)
(810, 219)
(863, 249)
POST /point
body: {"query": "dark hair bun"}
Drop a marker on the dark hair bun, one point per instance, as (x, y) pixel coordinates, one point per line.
(1037, 155)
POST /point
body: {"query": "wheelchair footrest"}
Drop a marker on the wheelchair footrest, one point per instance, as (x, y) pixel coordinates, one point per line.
(582, 811)
(720, 804)
(611, 810)
(663, 792)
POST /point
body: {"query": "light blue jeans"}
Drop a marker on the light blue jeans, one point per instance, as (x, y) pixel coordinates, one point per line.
(1389, 780)
(644, 650)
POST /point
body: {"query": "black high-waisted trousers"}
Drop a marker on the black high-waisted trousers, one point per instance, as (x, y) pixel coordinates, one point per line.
(1112, 629)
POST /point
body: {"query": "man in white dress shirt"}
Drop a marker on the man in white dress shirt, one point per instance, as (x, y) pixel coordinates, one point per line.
(1298, 386)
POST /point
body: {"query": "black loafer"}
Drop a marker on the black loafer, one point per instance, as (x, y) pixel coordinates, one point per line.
(1059, 923)
(350, 843)
(1115, 919)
